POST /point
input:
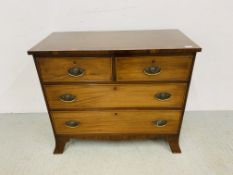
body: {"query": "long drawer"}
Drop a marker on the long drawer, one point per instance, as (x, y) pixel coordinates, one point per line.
(119, 121)
(115, 95)
(154, 68)
(75, 69)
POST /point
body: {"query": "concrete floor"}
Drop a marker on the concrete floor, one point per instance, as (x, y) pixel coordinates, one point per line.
(26, 145)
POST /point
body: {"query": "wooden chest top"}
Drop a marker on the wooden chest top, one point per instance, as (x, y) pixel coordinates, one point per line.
(155, 41)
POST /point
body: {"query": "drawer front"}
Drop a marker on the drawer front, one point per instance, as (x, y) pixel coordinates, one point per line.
(128, 121)
(73, 69)
(154, 68)
(118, 95)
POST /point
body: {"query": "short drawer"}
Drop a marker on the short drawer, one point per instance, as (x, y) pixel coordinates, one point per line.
(154, 68)
(119, 121)
(73, 69)
(115, 95)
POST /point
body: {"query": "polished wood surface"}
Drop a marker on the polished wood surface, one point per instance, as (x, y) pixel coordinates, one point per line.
(118, 95)
(60, 144)
(173, 141)
(155, 40)
(56, 69)
(124, 121)
(115, 99)
(173, 68)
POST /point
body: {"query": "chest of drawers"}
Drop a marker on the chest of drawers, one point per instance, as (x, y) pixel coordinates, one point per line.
(115, 85)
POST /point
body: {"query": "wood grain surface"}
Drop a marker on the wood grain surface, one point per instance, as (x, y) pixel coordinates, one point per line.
(115, 95)
(154, 40)
(56, 69)
(173, 68)
(125, 121)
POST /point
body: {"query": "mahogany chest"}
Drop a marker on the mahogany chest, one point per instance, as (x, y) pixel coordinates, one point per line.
(115, 85)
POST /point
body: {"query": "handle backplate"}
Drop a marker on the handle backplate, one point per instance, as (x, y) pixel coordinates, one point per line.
(72, 123)
(76, 72)
(160, 123)
(67, 98)
(152, 70)
(162, 96)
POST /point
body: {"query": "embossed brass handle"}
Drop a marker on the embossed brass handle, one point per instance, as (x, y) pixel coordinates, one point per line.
(76, 71)
(67, 98)
(160, 123)
(162, 96)
(72, 123)
(152, 70)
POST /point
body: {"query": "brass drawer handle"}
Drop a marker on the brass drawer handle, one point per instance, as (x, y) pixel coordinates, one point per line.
(162, 96)
(152, 70)
(160, 123)
(72, 124)
(76, 72)
(67, 98)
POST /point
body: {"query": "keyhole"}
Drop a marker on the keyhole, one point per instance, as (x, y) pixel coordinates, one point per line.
(74, 62)
(115, 113)
(153, 61)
